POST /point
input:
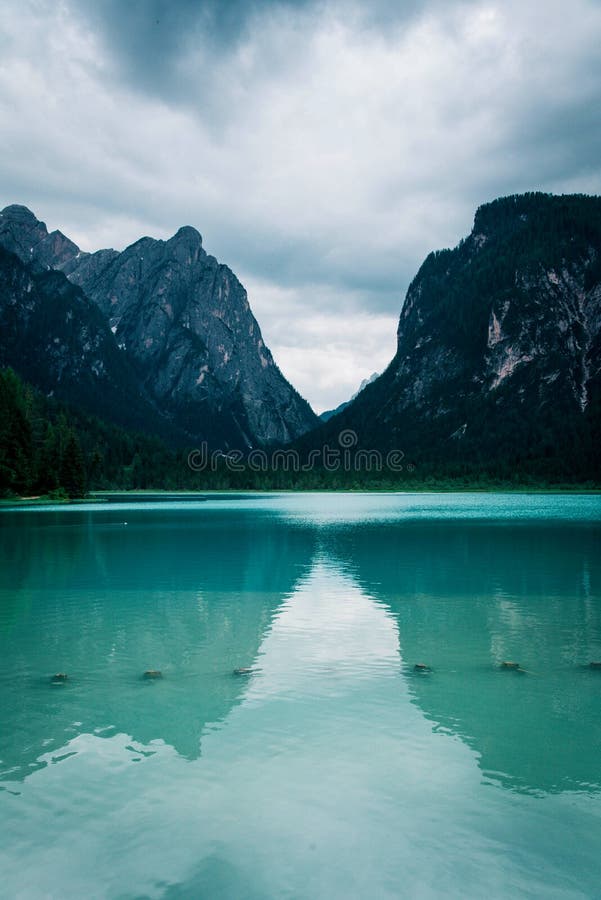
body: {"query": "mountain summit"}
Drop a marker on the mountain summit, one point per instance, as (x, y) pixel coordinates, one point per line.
(498, 361)
(184, 323)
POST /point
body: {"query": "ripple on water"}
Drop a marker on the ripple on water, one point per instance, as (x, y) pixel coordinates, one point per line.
(333, 768)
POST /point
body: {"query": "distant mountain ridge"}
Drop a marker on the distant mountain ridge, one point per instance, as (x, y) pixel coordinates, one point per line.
(183, 323)
(497, 369)
(330, 413)
(498, 361)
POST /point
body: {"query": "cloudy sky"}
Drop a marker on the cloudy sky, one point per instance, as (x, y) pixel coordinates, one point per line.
(322, 148)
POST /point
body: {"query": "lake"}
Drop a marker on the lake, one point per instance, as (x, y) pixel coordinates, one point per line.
(333, 769)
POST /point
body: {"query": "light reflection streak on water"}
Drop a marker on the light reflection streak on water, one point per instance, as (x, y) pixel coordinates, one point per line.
(329, 776)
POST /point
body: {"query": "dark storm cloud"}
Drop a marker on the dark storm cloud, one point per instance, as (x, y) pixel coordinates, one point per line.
(149, 38)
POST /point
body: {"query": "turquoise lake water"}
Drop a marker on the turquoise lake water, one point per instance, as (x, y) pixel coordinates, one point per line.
(333, 770)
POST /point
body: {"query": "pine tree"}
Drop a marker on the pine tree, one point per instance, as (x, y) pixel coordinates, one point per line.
(49, 463)
(96, 468)
(73, 475)
(16, 443)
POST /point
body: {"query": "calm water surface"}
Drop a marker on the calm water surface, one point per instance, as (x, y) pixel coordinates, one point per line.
(334, 770)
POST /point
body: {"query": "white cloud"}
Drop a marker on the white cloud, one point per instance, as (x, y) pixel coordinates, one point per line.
(324, 354)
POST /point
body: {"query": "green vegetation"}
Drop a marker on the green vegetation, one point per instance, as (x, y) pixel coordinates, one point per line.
(523, 234)
(533, 260)
(47, 448)
(50, 450)
(38, 453)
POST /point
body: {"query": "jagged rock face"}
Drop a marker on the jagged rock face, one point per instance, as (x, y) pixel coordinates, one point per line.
(185, 322)
(498, 341)
(57, 338)
(22, 234)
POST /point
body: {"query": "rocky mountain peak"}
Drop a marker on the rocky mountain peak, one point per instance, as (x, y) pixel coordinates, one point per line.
(187, 234)
(499, 344)
(18, 213)
(184, 322)
(186, 245)
(28, 238)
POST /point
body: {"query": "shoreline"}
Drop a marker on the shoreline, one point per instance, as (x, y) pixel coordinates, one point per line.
(164, 496)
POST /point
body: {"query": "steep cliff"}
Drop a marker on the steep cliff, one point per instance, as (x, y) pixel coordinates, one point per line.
(498, 355)
(52, 334)
(184, 322)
